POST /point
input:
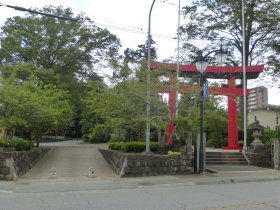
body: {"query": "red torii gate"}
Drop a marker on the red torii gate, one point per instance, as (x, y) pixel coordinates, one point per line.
(215, 72)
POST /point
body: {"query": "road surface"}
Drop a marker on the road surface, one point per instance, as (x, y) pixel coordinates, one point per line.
(71, 159)
(241, 196)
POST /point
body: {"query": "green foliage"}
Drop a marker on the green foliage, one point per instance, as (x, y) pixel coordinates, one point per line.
(221, 19)
(141, 52)
(134, 146)
(18, 144)
(171, 153)
(122, 108)
(66, 47)
(25, 103)
(241, 143)
(98, 134)
(67, 53)
(115, 145)
(216, 142)
(267, 135)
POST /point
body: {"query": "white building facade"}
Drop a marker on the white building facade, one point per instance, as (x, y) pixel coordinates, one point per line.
(268, 117)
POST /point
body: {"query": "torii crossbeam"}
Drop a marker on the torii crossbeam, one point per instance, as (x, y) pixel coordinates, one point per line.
(214, 72)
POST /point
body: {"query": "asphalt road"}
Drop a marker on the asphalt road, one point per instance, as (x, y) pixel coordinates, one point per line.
(241, 196)
(71, 159)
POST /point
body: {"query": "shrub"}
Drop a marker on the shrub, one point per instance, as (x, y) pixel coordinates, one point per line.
(154, 146)
(134, 146)
(98, 134)
(241, 143)
(116, 145)
(171, 153)
(217, 143)
(267, 135)
(18, 144)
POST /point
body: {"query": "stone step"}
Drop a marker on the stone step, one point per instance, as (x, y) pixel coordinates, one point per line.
(223, 154)
(226, 162)
(225, 158)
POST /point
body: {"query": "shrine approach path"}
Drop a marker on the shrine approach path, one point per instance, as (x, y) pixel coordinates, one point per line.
(71, 160)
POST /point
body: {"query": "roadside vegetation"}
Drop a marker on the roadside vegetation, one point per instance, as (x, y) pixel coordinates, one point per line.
(50, 77)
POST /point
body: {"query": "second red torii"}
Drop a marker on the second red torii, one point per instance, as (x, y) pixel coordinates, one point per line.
(219, 72)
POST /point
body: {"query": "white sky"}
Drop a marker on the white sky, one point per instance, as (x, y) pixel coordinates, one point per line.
(128, 19)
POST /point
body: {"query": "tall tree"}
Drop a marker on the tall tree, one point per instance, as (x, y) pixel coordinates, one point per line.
(29, 105)
(214, 20)
(217, 20)
(71, 52)
(141, 52)
(128, 65)
(69, 48)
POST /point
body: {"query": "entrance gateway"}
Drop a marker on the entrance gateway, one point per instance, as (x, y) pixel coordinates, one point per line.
(231, 73)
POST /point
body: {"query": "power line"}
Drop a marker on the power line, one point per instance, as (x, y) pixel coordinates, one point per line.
(120, 27)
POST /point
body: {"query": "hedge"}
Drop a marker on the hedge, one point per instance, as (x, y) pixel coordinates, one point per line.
(134, 146)
(18, 144)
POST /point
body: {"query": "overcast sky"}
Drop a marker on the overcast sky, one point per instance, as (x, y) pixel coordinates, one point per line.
(128, 19)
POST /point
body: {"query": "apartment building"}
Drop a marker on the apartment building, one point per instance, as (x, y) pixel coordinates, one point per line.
(258, 98)
(259, 109)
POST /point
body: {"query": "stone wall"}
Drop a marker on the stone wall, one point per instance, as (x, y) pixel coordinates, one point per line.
(127, 164)
(260, 159)
(17, 163)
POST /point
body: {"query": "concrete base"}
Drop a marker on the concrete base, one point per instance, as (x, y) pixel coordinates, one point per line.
(232, 148)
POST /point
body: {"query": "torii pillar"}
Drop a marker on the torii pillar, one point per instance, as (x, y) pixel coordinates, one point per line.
(232, 92)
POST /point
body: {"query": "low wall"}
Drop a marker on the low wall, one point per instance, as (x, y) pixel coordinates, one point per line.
(260, 159)
(127, 164)
(17, 163)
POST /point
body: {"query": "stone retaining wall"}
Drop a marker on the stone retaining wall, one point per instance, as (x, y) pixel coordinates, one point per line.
(127, 164)
(17, 163)
(260, 159)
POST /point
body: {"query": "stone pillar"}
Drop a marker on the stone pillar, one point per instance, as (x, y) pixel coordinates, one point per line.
(276, 153)
(186, 149)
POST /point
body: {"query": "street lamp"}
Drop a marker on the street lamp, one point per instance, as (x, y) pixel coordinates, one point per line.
(148, 106)
(201, 66)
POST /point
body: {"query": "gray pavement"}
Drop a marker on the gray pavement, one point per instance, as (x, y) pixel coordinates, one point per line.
(233, 187)
(237, 168)
(70, 160)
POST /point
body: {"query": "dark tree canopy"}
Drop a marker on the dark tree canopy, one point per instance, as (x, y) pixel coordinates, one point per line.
(65, 54)
(70, 49)
(213, 20)
(141, 53)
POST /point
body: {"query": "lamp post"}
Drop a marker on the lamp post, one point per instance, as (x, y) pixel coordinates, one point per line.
(148, 106)
(201, 66)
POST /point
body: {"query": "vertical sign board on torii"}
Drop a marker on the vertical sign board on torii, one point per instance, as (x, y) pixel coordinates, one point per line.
(212, 72)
